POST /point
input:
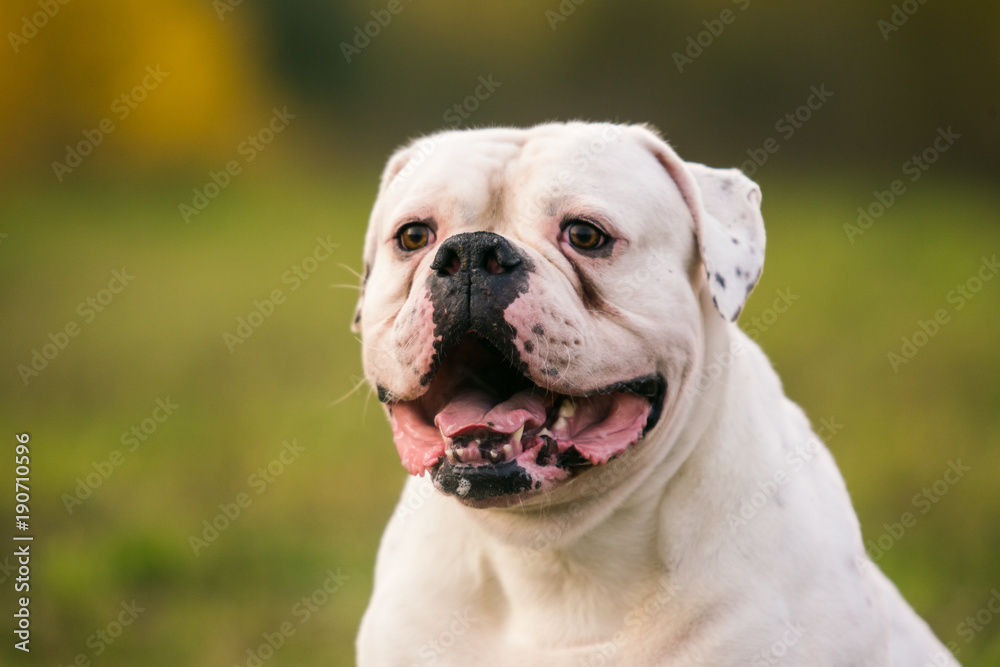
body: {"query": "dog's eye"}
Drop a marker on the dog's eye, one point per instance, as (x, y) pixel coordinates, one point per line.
(414, 236)
(584, 235)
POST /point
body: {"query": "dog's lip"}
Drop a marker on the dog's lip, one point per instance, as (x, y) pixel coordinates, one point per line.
(485, 429)
(651, 385)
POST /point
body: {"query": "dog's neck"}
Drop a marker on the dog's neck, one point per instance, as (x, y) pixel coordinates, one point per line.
(627, 554)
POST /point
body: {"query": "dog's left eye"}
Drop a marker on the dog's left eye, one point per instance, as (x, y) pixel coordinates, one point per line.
(584, 235)
(414, 236)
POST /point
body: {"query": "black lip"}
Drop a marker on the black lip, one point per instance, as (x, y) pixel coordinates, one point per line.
(483, 481)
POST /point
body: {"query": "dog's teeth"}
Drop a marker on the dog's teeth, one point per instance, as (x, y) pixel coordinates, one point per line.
(568, 408)
(450, 453)
(518, 433)
(459, 451)
(508, 450)
(494, 455)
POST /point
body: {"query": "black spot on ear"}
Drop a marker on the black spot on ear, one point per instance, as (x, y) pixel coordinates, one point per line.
(720, 280)
(739, 272)
(736, 241)
(538, 330)
(529, 346)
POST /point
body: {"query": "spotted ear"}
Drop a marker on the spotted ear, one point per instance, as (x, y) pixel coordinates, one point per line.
(729, 227)
(396, 162)
(731, 236)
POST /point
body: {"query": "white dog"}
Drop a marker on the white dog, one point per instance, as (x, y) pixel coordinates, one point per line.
(548, 315)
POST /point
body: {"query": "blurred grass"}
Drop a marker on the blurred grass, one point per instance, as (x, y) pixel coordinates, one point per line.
(162, 336)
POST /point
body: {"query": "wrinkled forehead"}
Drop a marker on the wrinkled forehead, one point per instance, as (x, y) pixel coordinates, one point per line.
(513, 174)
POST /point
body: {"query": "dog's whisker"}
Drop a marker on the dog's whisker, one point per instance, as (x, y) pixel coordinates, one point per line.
(345, 266)
(354, 390)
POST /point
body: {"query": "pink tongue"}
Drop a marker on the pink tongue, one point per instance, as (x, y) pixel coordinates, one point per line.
(474, 409)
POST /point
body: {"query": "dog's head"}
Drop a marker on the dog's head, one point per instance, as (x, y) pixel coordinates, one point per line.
(533, 299)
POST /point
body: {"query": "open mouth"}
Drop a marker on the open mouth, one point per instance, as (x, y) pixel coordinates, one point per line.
(484, 429)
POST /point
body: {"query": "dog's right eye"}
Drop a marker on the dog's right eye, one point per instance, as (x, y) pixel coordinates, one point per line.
(414, 236)
(584, 235)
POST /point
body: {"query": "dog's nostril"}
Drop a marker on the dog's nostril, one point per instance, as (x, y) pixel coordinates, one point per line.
(447, 262)
(473, 252)
(501, 258)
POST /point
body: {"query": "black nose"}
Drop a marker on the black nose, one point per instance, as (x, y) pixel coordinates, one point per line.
(474, 252)
(474, 278)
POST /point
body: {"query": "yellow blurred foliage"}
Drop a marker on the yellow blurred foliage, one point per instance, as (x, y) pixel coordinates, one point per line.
(68, 63)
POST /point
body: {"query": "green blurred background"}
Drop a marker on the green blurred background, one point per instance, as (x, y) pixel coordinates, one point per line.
(201, 78)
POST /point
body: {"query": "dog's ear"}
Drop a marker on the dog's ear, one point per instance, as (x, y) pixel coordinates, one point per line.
(396, 162)
(728, 225)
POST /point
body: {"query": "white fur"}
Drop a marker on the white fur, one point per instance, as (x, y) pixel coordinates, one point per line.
(641, 561)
